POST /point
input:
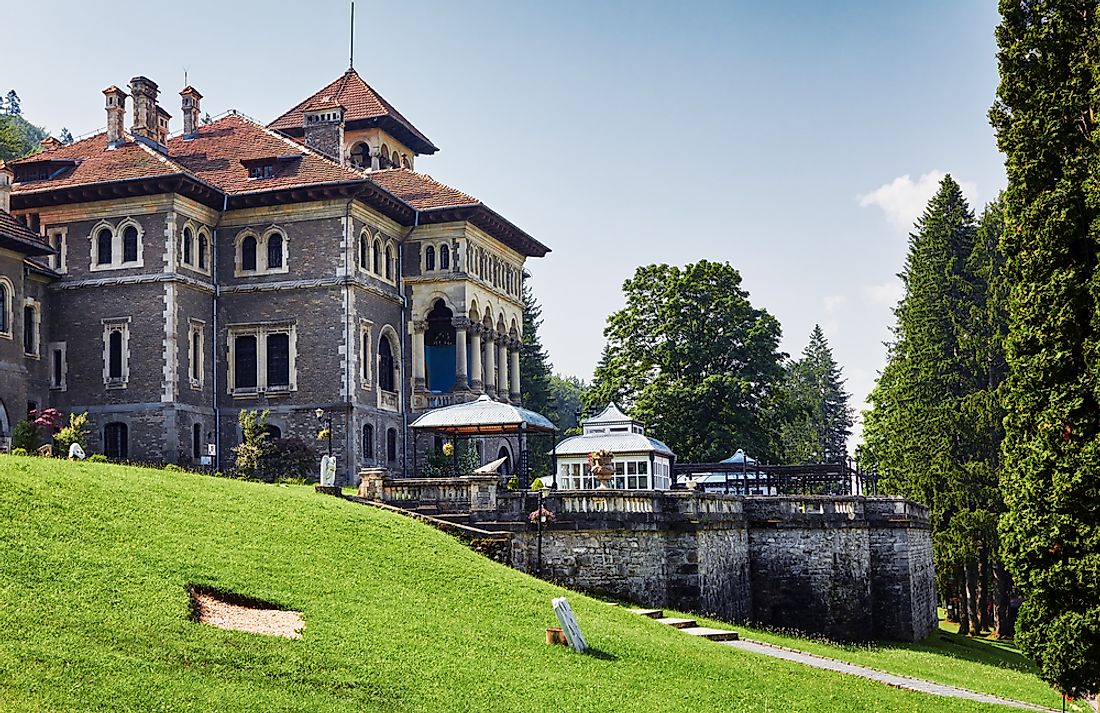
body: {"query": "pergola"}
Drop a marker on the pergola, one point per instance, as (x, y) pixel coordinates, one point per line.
(485, 417)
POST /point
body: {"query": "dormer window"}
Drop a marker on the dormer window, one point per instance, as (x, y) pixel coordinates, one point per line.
(263, 170)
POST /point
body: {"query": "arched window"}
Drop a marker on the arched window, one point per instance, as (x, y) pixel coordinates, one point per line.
(5, 308)
(203, 246)
(274, 251)
(366, 356)
(405, 161)
(248, 253)
(368, 441)
(116, 437)
(506, 467)
(114, 355)
(439, 349)
(272, 432)
(196, 441)
(103, 241)
(188, 245)
(364, 252)
(391, 445)
(395, 159)
(429, 258)
(444, 257)
(130, 244)
(377, 264)
(384, 157)
(389, 262)
(360, 155)
(385, 364)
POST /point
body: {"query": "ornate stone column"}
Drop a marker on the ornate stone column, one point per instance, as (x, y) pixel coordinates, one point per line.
(490, 362)
(476, 383)
(461, 324)
(514, 387)
(502, 368)
(419, 326)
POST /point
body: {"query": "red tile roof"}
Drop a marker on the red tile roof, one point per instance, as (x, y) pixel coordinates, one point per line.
(95, 163)
(420, 190)
(361, 104)
(217, 150)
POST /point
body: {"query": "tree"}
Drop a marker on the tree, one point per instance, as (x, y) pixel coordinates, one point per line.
(66, 136)
(254, 445)
(12, 104)
(690, 356)
(566, 400)
(1045, 117)
(821, 420)
(932, 425)
(534, 362)
(18, 138)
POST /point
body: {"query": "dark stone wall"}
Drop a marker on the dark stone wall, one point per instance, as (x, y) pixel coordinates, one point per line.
(849, 568)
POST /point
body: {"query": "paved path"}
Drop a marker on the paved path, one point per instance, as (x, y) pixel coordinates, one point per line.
(912, 684)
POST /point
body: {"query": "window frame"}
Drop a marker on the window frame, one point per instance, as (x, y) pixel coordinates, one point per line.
(122, 326)
(58, 238)
(35, 307)
(261, 332)
(59, 384)
(7, 306)
(196, 327)
(118, 249)
(263, 255)
(366, 354)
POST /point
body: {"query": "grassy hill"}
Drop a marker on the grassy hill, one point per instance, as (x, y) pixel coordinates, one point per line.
(95, 562)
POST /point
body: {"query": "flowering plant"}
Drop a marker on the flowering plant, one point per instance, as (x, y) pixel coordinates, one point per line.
(543, 514)
(596, 456)
(448, 449)
(322, 434)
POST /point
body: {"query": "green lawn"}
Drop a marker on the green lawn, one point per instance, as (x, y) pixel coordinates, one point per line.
(96, 561)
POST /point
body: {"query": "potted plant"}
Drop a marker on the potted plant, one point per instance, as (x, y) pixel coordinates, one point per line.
(602, 466)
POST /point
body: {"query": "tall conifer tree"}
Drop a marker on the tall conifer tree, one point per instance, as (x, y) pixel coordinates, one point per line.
(534, 362)
(818, 429)
(1046, 122)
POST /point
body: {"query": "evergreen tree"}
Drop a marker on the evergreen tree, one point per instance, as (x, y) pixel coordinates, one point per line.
(821, 421)
(19, 138)
(534, 362)
(66, 137)
(690, 356)
(934, 408)
(566, 394)
(1046, 122)
(12, 106)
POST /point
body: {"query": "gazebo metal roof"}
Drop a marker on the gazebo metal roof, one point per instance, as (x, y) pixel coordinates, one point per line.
(483, 417)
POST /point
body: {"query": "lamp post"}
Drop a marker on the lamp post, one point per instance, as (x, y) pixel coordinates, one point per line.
(325, 420)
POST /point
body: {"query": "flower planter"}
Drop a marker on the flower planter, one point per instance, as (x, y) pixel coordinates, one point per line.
(554, 635)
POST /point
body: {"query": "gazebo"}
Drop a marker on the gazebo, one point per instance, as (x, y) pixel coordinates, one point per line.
(641, 462)
(484, 418)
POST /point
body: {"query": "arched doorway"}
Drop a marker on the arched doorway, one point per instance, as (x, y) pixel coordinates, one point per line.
(506, 467)
(439, 349)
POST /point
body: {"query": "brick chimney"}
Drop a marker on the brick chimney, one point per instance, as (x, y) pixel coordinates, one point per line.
(163, 117)
(323, 122)
(6, 177)
(116, 114)
(191, 99)
(50, 143)
(145, 93)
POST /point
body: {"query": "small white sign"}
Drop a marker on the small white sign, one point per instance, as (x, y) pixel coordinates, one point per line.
(206, 460)
(569, 625)
(211, 449)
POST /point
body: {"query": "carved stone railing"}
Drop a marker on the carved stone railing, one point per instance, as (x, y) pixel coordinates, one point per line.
(388, 400)
(468, 493)
(439, 400)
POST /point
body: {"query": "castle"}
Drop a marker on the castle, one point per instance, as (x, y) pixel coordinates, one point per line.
(162, 283)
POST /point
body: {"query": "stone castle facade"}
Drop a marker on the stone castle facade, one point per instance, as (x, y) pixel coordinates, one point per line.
(163, 283)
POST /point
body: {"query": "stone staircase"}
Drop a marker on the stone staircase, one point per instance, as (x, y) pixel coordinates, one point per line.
(688, 626)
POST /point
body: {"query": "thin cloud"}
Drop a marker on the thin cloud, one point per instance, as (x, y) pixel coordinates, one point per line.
(887, 294)
(903, 199)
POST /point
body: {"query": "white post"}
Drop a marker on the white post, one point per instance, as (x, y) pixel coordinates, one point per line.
(460, 325)
(475, 354)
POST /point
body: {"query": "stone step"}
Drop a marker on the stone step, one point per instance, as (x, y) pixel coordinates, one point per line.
(678, 623)
(651, 613)
(711, 634)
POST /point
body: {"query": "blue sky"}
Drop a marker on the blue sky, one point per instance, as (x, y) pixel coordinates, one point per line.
(797, 141)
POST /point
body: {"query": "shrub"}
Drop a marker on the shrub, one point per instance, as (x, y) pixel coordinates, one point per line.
(288, 459)
(441, 464)
(24, 436)
(537, 484)
(96, 458)
(75, 432)
(250, 453)
(513, 483)
(19, 451)
(173, 468)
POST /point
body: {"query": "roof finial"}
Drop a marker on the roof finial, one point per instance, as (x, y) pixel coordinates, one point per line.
(351, 50)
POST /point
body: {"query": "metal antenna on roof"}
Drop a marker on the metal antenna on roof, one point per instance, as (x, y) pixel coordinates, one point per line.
(351, 51)
(185, 77)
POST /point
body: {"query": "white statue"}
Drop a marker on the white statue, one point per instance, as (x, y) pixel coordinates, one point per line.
(328, 471)
(76, 452)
